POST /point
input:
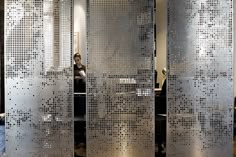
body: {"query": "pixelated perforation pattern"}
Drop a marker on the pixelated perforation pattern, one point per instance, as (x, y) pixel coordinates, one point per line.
(38, 78)
(200, 80)
(120, 98)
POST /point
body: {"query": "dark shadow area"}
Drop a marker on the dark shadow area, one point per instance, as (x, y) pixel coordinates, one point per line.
(160, 122)
(80, 124)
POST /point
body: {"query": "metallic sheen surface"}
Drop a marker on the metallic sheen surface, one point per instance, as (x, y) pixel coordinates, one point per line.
(200, 80)
(120, 95)
(38, 78)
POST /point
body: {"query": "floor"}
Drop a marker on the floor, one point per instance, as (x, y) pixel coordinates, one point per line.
(80, 151)
(234, 149)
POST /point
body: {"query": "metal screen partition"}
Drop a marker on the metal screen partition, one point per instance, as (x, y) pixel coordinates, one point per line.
(200, 81)
(38, 78)
(2, 56)
(120, 95)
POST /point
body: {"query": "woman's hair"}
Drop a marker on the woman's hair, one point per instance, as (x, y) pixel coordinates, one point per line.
(77, 55)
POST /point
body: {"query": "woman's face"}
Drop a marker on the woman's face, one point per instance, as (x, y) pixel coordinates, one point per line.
(77, 60)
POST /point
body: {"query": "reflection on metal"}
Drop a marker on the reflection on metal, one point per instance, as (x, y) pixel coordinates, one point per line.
(200, 83)
(39, 116)
(120, 97)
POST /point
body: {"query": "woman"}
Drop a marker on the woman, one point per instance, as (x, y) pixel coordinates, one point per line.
(79, 75)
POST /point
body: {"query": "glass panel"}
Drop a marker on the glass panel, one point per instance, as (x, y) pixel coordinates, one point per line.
(2, 56)
(200, 80)
(38, 78)
(120, 95)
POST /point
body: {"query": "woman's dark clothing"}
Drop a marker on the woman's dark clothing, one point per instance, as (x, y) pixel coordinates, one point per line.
(79, 84)
(163, 99)
(163, 89)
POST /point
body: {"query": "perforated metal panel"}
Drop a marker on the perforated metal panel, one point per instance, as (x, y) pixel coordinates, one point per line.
(120, 98)
(38, 78)
(200, 81)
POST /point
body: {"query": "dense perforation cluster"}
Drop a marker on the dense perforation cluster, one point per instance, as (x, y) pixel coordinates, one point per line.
(120, 98)
(38, 78)
(200, 85)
